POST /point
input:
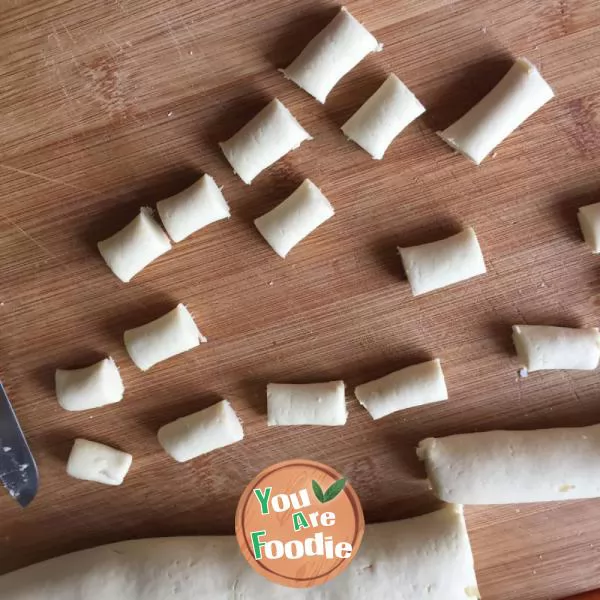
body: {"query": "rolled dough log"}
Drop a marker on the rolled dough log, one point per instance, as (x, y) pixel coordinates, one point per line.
(541, 347)
(201, 432)
(90, 387)
(589, 221)
(295, 218)
(192, 209)
(306, 403)
(412, 386)
(128, 251)
(271, 134)
(383, 116)
(520, 93)
(91, 461)
(425, 558)
(331, 54)
(505, 467)
(442, 263)
(162, 338)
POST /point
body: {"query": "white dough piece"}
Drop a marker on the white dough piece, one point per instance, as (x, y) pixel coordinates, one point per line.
(589, 221)
(442, 263)
(541, 347)
(412, 386)
(91, 461)
(306, 403)
(425, 558)
(128, 251)
(270, 135)
(331, 54)
(383, 116)
(162, 338)
(90, 387)
(520, 93)
(201, 432)
(296, 217)
(505, 467)
(192, 209)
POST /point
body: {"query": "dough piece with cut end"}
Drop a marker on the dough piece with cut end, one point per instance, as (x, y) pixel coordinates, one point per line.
(306, 403)
(295, 218)
(91, 461)
(330, 55)
(192, 209)
(520, 93)
(140, 242)
(90, 387)
(201, 432)
(442, 263)
(424, 558)
(505, 467)
(162, 338)
(270, 135)
(383, 116)
(541, 347)
(412, 386)
(589, 221)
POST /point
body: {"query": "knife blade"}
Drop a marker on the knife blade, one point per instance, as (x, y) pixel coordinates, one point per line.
(18, 471)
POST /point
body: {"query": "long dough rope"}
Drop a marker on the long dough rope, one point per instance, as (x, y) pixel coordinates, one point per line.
(425, 558)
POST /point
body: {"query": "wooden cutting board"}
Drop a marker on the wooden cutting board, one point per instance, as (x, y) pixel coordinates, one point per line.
(107, 106)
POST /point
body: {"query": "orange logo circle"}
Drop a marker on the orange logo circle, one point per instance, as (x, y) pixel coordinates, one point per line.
(299, 523)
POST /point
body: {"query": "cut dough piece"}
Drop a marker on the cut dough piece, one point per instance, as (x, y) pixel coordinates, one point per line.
(162, 338)
(90, 387)
(201, 432)
(425, 558)
(271, 134)
(413, 386)
(128, 251)
(331, 54)
(442, 263)
(306, 403)
(192, 209)
(383, 116)
(505, 467)
(297, 216)
(589, 221)
(520, 93)
(91, 461)
(541, 347)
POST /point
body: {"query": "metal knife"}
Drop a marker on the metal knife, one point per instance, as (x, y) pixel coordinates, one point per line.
(18, 471)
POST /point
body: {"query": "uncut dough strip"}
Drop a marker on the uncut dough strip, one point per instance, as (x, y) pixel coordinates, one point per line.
(412, 386)
(140, 242)
(442, 263)
(541, 347)
(520, 93)
(91, 461)
(503, 467)
(383, 117)
(90, 387)
(193, 208)
(266, 138)
(589, 221)
(330, 55)
(162, 338)
(296, 217)
(425, 558)
(201, 432)
(306, 403)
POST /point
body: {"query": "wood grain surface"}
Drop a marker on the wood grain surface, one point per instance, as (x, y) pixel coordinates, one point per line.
(106, 106)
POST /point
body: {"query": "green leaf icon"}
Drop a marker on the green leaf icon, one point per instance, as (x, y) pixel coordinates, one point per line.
(332, 491)
(318, 491)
